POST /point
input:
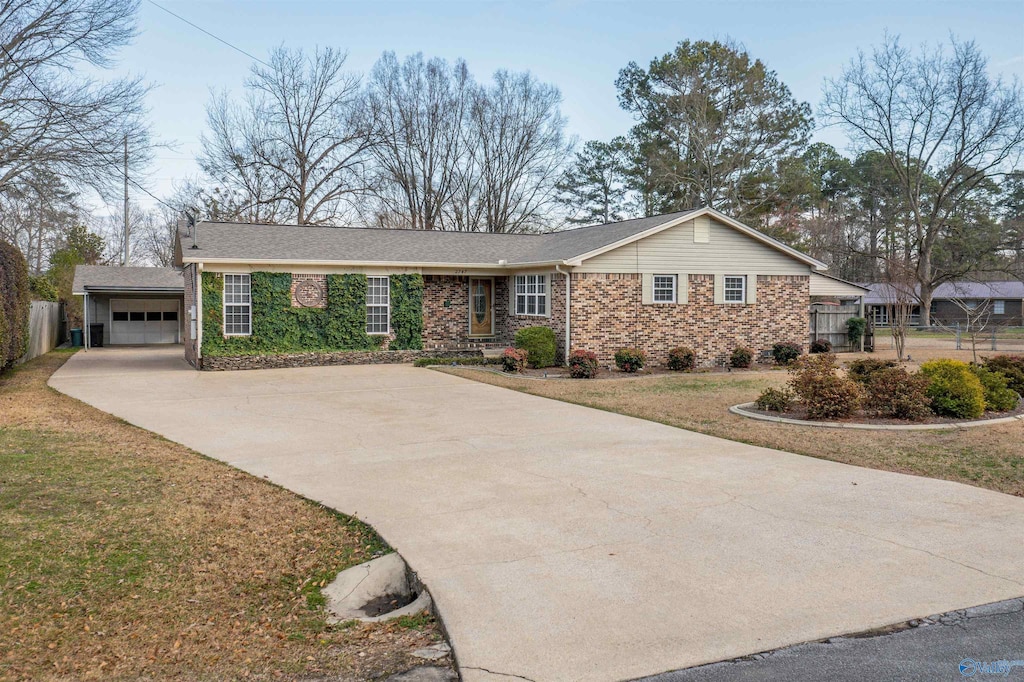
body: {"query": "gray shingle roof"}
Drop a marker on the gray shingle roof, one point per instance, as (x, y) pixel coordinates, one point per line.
(116, 278)
(247, 242)
(881, 293)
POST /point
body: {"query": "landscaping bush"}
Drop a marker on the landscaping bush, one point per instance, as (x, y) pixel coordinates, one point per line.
(823, 391)
(861, 370)
(630, 359)
(999, 397)
(682, 359)
(855, 328)
(896, 393)
(14, 305)
(1010, 366)
(513, 360)
(954, 389)
(741, 357)
(774, 400)
(821, 346)
(583, 364)
(539, 344)
(785, 352)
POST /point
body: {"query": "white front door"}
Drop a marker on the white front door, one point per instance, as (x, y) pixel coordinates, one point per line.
(138, 321)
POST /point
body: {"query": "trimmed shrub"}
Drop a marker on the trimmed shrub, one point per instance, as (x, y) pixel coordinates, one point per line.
(954, 389)
(630, 359)
(894, 392)
(821, 346)
(15, 300)
(583, 364)
(785, 352)
(741, 357)
(861, 370)
(855, 328)
(539, 344)
(999, 397)
(775, 400)
(513, 360)
(1010, 366)
(823, 391)
(682, 359)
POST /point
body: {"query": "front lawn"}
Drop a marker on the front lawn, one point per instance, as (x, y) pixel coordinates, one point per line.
(989, 456)
(124, 555)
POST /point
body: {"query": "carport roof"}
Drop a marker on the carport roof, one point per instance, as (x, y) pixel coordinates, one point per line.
(111, 278)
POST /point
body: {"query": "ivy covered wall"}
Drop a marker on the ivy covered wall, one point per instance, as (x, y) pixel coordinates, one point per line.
(277, 327)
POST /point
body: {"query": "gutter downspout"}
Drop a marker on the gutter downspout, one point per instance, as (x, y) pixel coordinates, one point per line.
(568, 298)
(199, 315)
(85, 320)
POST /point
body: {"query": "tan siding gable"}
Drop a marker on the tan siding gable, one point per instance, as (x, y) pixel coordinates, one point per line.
(727, 251)
(826, 286)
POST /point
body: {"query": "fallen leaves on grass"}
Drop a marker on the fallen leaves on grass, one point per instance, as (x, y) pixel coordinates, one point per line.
(125, 555)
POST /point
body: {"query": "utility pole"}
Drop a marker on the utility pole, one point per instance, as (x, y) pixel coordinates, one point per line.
(125, 260)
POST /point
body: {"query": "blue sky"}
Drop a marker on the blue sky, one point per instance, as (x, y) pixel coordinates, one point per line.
(578, 46)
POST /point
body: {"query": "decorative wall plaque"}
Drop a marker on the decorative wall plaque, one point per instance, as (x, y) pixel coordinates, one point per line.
(309, 291)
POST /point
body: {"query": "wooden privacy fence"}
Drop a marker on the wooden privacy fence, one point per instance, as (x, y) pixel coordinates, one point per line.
(829, 322)
(43, 328)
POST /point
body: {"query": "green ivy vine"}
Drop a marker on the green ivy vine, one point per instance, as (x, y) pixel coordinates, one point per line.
(277, 327)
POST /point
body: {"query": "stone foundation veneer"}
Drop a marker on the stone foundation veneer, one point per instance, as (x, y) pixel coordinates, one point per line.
(607, 314)
(216, 363)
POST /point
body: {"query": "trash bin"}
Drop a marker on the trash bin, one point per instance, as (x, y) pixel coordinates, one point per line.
(76, 337)
(96, 335)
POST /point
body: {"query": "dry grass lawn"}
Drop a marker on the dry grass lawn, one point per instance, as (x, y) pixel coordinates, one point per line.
(126, 556)
(989, 457)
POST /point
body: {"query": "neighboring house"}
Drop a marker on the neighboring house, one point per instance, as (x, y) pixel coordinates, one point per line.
(992, 303)
(283, 295)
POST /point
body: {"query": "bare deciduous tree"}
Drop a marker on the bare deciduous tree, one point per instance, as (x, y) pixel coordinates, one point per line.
(943, 124)
(52, 116)
(420, 110)
(296, 147)
(518, 152)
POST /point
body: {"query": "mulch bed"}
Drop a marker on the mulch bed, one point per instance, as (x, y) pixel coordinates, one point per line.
(801, 413)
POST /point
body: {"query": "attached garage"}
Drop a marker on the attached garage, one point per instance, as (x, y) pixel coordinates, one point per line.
(135, 305)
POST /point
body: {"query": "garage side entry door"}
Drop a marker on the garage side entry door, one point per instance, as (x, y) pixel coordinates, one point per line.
(139, 321)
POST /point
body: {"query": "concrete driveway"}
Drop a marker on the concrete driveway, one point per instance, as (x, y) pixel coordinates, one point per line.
(565, 543)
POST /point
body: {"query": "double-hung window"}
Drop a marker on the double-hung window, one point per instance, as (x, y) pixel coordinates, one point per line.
(237, 305)
(532, 295)
(378, 305)
(664, 289)
(999, 308)
(735, 289)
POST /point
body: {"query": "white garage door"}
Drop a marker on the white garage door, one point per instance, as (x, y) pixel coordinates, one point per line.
(139, 321)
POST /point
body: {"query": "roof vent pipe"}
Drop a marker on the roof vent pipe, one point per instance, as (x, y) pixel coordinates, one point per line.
(502, 262)
(192, 229)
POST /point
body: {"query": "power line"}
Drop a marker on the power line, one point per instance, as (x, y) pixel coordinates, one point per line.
(215, 37)
(79, 132)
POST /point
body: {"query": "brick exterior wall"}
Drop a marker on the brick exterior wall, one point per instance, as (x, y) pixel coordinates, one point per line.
(191, 344)
(313, 297)
(450, 325)
(607, 314)
(513, 322)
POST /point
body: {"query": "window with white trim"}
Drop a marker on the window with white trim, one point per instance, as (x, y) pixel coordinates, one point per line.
(664, 290)
(237, 305)
(532, 295)
(735, 289)
(378, 305)
(999, 308)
